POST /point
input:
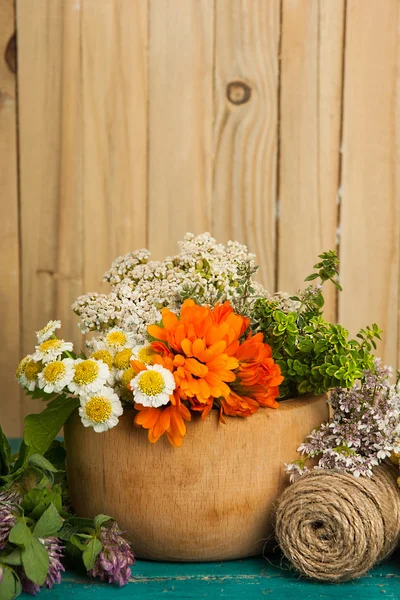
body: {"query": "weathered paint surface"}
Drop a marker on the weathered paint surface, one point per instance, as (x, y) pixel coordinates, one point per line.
(250, 579)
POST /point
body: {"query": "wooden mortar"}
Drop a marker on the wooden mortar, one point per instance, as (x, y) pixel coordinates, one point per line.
(211, 499)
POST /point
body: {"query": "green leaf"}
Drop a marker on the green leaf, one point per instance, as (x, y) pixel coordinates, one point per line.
(41, 429)
(10, 586)
(91, 552)
(14, 558)
(99, 520)
(41, 462)
(311, 277)
(35, 561)
(20, 534)
(37, 500)
(49, 523)
(5, 454)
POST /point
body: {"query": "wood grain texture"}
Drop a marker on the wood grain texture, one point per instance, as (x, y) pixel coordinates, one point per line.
(180, 121)
(371, 164)
(310, 126)
(10, 417)
(50, 141)
(114, 144)
(245, 134)
(208, 503)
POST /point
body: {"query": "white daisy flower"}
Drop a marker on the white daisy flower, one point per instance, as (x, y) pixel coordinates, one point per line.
(107, 358)
(115, 340)
(56, 375)
(89, 376)
(144, 353)
(47, 331)
(50, 350)
(153, 386)
(27, 372)
(100, 409)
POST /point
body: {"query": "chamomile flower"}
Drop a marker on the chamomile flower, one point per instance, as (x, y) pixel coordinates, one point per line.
(56, 375)
(27, 373)
(100, 409)
(107, 358)
(50, 350)
(144, 354)
(153, 386)
(47, 331)
(114, 340)
(89, 376)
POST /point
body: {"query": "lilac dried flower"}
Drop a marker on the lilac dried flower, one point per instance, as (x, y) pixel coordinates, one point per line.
(54, 550)
(8, 500)
(114, 561)
(364, 430)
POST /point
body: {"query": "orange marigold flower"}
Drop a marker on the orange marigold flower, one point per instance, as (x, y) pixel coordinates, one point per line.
(204, 342)
(258, 378)
(169, 420)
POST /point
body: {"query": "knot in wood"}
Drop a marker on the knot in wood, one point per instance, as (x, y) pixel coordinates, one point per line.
(10, 55)
(238, 92)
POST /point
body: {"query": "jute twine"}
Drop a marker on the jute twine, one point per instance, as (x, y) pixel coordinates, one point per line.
(335, 527)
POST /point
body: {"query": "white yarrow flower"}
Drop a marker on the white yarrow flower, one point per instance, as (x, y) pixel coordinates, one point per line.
(56, 375)
(153, 386)
(50, 350)
(100, 409)
(47, 331)
(89, 376)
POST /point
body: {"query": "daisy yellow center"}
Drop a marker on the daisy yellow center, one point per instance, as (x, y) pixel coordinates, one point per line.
(32, 370)
(151, 383)
(50, 345)
(54, 371)
(127, 376)
(145, 355)
(86, 372)
(116, 338)
(121, 359)
(103, 355)
(98, 409)
(21, 366)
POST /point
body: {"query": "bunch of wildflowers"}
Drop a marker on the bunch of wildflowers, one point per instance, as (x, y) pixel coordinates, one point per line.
(364, 430)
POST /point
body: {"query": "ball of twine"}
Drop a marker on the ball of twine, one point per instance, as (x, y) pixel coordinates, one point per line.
(335, 527)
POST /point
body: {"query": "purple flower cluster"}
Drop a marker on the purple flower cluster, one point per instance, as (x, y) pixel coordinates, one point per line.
(364, 430)
(8, 500)
(114, 561)
(54, 550)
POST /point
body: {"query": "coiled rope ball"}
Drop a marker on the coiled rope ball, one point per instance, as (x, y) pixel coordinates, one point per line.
(334, 527)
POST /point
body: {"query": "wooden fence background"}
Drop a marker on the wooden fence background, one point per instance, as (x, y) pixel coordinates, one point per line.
(126, 123)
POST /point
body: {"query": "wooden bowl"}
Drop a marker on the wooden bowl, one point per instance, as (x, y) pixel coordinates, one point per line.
(211, 499)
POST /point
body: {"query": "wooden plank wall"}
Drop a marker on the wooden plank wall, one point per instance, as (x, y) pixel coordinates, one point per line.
(130, 122)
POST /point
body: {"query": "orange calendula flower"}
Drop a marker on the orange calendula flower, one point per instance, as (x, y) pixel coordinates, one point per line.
(258, 378)
(210, 367)
(169, 420)
(204, 342)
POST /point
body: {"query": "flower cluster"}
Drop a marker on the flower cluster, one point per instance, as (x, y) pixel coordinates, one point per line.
(364, 430)
(199, 361)
(53, 369)
(115, 559)
(54, 551)
(203, 270)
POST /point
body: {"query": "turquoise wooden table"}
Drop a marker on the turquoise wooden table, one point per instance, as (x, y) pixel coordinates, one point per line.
(251, 579)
